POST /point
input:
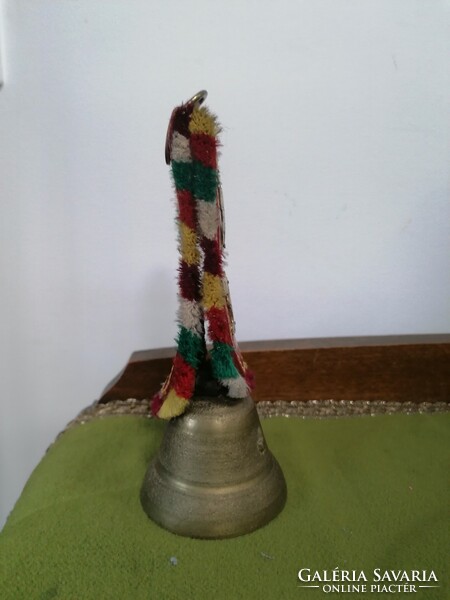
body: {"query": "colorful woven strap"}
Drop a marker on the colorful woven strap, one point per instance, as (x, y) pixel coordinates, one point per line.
(203, 287)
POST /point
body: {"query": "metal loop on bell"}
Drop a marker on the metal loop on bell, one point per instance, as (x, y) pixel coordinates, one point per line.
(198, 98)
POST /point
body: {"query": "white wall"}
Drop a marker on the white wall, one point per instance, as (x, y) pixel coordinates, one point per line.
(334, 167)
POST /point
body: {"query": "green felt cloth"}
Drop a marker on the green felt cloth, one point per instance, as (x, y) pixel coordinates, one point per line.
(363, 493)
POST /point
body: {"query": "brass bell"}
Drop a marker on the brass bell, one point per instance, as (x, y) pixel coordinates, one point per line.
(214, 476)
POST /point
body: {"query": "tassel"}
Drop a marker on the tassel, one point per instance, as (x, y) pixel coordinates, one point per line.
(203, 288)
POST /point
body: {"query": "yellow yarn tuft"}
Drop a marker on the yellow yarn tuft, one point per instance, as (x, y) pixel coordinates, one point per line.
(202, 121)
(213, 292)
(172, 406)
(188, 245)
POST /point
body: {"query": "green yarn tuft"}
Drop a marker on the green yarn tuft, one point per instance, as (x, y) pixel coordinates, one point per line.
(190, 346)
(206, 181)
(222, 361)
(182, 175)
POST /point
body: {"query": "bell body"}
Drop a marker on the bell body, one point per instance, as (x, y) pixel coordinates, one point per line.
(214, 476)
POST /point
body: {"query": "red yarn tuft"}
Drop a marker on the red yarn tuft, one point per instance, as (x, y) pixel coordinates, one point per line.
(213, 256)
(204, 149)
(219, 327)
(186, 208)
(183, 377)
(189, 281)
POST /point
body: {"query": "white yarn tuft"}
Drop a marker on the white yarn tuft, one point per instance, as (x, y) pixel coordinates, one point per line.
(237, 388)
(208, 218)
(180, 151)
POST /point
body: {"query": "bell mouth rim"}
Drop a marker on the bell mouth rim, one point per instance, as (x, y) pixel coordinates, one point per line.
(245, 521)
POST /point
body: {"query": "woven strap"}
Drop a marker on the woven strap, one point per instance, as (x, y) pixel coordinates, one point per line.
(202, 283)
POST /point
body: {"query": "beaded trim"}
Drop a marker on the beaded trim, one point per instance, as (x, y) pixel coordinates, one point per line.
(317, 409)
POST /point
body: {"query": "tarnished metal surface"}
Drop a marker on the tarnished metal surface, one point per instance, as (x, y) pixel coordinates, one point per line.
(214, 476)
